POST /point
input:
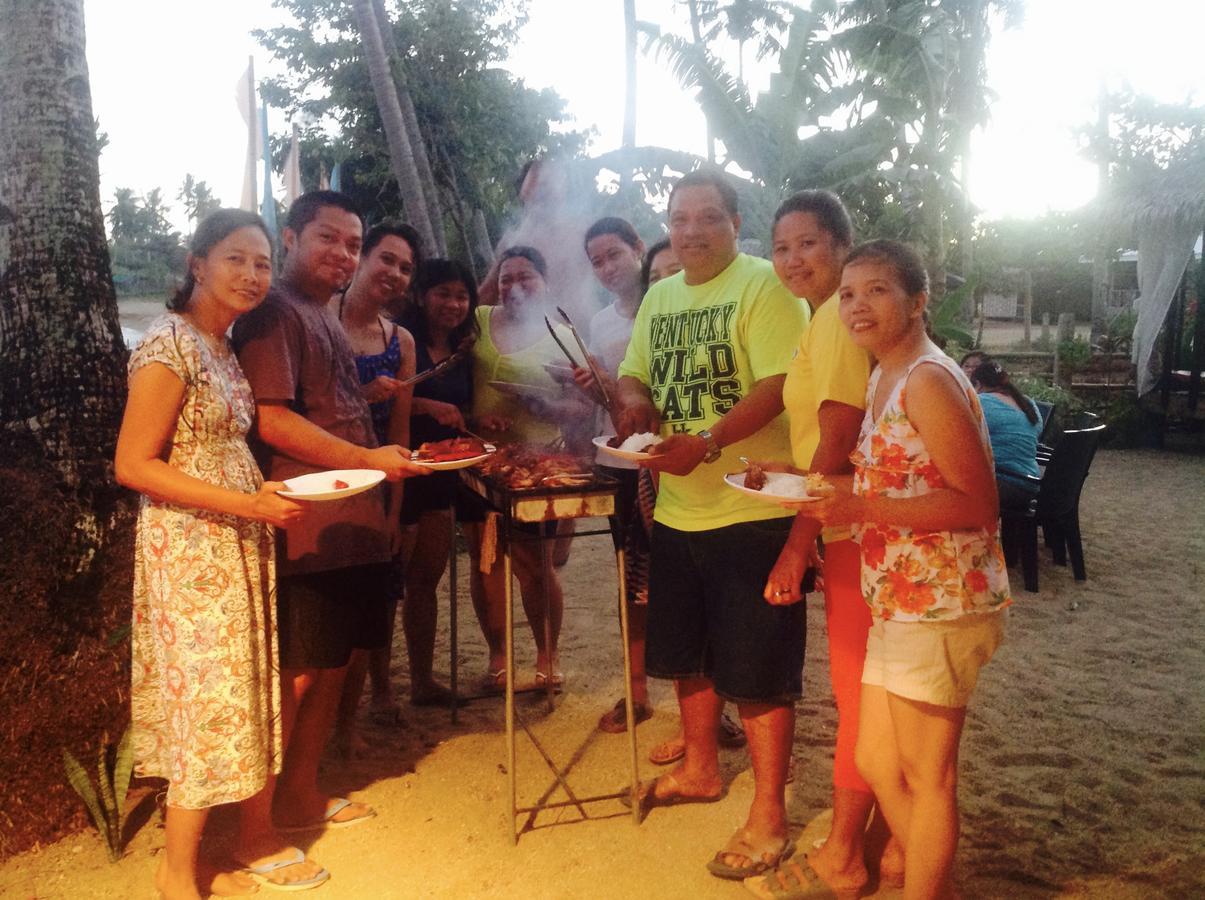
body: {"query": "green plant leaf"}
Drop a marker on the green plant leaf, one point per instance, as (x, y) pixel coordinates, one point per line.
(104, 781)
(79, 781)
(123, 768)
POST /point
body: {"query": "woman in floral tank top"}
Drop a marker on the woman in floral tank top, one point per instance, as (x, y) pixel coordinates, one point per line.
(923, 506)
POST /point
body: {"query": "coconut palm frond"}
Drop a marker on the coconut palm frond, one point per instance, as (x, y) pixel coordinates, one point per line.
(722, 97)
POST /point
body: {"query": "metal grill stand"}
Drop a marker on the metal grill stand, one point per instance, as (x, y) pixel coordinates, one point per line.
(547, 506)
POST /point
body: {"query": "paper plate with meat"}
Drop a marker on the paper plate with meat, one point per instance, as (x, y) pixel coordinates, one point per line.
(776, 487)
(454, 453)
(334, 484)
(636, 447)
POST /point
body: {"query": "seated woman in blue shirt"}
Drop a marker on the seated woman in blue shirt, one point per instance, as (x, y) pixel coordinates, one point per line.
(1013, 424)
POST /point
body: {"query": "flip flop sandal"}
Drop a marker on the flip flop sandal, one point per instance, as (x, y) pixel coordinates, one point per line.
(731, 734)
(668, 752)
(768, 855)
(558, 681)
(795, 880)
(336, 806)
(648, 800)
(492, 683)
(262, 872)
(615, 721)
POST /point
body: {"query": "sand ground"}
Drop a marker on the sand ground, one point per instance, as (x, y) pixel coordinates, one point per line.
(1083, 762)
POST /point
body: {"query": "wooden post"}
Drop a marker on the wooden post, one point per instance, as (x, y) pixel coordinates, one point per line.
(1027, 302)
(1198, 340)
(1045, 329)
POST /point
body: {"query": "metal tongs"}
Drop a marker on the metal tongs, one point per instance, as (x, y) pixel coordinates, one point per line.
(569, 356)
(436, 369)
(598, 379)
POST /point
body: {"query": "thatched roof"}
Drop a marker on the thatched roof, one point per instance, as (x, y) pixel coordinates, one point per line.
(1176, 193)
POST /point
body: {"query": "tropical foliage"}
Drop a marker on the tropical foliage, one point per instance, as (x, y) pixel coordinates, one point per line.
(146, 252)
(479, 123)
(874, 99)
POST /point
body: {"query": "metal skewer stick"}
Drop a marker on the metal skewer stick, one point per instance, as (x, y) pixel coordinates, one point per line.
(434, 370)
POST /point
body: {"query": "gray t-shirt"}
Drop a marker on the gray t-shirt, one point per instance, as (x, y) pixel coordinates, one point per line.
(295, 351)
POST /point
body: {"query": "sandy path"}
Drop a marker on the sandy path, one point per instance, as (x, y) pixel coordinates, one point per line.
(1083, 769)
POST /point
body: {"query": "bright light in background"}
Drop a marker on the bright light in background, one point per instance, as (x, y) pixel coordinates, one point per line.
(163, 79)
(578, 50)
(1047, 75)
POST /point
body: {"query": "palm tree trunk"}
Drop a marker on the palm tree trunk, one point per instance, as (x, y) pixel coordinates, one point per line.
(401, 153)
(629, 60)
(696, 34)
(414, 132)
(62, 361)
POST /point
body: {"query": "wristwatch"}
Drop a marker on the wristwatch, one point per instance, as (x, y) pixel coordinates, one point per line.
(713, 449)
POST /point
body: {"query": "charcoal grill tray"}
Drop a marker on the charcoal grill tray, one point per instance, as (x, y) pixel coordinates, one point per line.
(546, 504)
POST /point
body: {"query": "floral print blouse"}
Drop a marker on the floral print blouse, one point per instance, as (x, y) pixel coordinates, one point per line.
(910, 575)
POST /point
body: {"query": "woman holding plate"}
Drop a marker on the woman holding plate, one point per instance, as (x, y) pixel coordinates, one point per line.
(443, 322)
(205, 696)
(384, 358)
(824, 395)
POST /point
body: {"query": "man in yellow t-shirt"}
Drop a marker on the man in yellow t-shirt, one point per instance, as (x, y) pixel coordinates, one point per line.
(704, 369)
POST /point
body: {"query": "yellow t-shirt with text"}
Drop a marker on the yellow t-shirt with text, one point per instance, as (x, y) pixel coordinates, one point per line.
(700, 349)
(828, 365)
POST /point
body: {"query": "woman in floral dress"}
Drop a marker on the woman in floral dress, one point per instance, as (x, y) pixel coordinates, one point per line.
(206, 695)
(924, 509)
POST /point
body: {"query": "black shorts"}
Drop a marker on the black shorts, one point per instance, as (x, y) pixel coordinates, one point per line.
(323, 616)
(440, 491)
(707, 616)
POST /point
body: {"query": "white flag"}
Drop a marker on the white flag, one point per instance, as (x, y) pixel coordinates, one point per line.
(292, 171)
(243, 95)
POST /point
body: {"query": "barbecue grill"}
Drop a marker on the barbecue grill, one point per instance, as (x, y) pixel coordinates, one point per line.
(595, 496)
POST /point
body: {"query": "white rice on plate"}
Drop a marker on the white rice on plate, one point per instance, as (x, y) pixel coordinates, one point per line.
(784, 484)
(638, 443)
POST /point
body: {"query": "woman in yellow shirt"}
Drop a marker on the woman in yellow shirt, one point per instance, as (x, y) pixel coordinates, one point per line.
(824, 395)
(514, 347)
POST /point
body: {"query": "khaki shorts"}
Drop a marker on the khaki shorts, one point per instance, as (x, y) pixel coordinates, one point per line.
(932, 662)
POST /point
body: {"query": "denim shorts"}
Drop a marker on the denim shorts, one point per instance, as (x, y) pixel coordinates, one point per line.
(707, 616)
(323, 616)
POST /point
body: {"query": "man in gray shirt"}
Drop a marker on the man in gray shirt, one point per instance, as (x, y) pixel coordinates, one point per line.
(333, 569)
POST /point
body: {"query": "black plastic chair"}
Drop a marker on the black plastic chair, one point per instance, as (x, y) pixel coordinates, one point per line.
(1056, 507)
(1058, 499)
(1050, 429)
(1019, 537)
(1047, 410)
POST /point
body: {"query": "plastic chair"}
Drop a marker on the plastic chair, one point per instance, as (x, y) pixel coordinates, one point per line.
(1019, 538)
(1049, 433)
(1056, 507)
(1058, 498)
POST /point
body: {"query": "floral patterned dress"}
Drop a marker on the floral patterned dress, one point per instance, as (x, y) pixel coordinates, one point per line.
(205, 699)
(920, 576)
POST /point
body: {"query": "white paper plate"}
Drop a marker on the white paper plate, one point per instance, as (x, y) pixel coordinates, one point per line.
(601, 443)
(321, 485)
(511, 389)
(773, 491)
(448, 464)
(559, 374)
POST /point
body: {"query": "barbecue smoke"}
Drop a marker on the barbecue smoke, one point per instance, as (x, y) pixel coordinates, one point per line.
(554, 220)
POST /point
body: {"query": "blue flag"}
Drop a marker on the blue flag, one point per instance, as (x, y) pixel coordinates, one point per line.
(336, 178)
